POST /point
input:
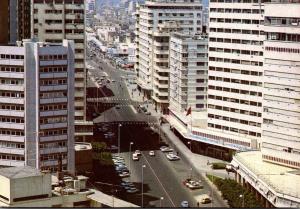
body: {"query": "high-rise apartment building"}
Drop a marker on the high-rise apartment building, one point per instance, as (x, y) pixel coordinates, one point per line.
(53, 21)
(188, 73)
(37, 105)
(235, 82)
(14, 20)
(188, 15)
(281, 95)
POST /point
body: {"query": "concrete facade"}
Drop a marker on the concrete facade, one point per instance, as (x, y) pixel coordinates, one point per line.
(281, 100)
(37, 105)
(54, 21)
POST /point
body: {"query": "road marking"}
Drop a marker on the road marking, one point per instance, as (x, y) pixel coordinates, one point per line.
(158, 180)
(133, 109)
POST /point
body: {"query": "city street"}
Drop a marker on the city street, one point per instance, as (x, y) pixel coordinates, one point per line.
(162, 178)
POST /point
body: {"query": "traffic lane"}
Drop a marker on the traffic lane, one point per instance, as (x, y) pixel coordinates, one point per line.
(161, 168)
(169, 178)
(152, 191)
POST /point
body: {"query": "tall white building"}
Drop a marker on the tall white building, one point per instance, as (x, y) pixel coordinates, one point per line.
(37, 105)
(281, 100)
(53, 21)
(188, 73)
(235, 82)
(188, 15)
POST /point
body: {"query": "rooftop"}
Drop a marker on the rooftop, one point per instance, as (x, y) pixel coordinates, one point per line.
(19, 172)
(282, 179)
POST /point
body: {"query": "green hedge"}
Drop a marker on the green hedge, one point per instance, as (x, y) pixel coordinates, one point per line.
(231, 191)
(218, 165)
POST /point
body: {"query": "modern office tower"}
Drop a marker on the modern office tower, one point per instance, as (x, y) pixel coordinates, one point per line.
(235, 82)
(281, 100)
(37, 105)
(149, 15)
(188, 73)
(54, 21)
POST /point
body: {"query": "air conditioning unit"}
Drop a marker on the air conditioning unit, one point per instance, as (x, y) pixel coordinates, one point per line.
(77, 185)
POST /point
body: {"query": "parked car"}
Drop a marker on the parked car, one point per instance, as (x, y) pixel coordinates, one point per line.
(184, 204)
(172, 157)
(132, 190)
(135, 157)
(124, 174)
(148, 113)
(151, 153)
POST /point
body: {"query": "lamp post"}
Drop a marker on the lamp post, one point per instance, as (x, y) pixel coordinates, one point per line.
(143, 166)
(119, 126)
(161, 199)
(243, 203)
(189, 143)
(130, 144)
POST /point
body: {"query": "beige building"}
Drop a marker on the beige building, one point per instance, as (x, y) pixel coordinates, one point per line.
(54, 21)
(28, 187)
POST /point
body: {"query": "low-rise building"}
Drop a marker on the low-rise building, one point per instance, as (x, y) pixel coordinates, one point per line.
(28, 187)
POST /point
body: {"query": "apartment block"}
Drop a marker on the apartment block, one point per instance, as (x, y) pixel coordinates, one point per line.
(281, 94)
(235, 74)
(53, 21)
(188, 73)
(188, 15)
(37, 105)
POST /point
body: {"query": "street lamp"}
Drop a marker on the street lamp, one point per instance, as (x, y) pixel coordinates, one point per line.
(161, 199)
(130, 144)
(243, 203)
(143, 166)
(119, 126)
(189, 142)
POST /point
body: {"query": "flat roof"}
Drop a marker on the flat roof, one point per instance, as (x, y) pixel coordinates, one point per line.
(109, 200)
(19, 172)
(280, 178)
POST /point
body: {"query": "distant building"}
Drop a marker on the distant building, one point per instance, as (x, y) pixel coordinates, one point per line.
(149, 16)
(37, 105)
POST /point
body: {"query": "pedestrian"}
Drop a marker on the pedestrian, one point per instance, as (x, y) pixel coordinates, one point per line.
(198, 204)
(207, 162)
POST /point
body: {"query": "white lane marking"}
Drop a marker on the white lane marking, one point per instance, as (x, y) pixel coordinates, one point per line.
(133, 109)
(158, 180)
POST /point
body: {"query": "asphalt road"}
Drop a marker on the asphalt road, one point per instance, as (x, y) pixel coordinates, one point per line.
(162, 178)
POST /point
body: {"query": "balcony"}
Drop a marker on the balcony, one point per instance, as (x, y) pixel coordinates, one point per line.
(53, 88)
(54, 125)
(53, 138)
(53, 113)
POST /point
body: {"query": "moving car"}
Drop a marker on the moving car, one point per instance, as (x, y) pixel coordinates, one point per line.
(184, 204)
(152, 153)
(138, 152)
(135, 157)
(172, 157)
(193, 184)
(204, 198)
(166, 149)
(117, 107)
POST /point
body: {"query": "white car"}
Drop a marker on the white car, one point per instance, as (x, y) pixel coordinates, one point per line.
(113, 81)
(124, 174)
(172, 157)
(132, 190)
(166, 149)
(194, 185)
(135, 157)
(152, 153)
(138, 152)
